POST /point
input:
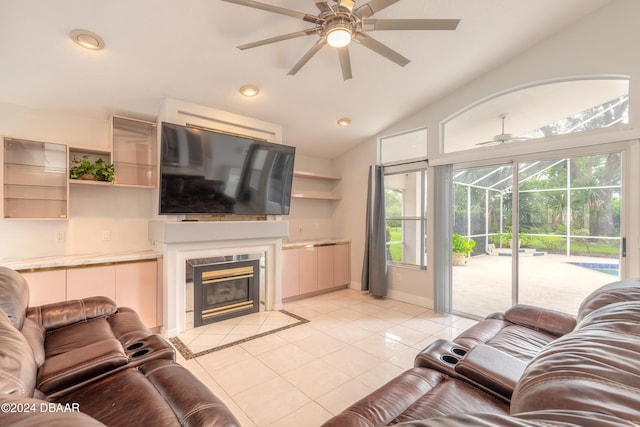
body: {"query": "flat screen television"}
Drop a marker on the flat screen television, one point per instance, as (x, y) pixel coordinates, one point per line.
(208, 172)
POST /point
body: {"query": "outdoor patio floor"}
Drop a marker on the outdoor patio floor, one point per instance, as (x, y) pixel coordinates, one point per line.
(483, 285)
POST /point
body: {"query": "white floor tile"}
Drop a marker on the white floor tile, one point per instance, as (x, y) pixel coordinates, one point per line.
(316, 378)
(344, 396)
(286, 358)
(270, 401)
(310, 414)
(303, 375)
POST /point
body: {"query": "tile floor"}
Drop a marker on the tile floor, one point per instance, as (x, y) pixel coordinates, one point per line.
(304, 375)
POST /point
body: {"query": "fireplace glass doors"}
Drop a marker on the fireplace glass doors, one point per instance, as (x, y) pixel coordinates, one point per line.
(223, 288)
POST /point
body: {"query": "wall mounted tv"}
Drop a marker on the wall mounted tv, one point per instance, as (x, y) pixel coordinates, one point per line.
(208, 172)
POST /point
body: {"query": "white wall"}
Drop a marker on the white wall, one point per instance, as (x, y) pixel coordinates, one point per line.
(603, 43)
(120, 213)
(349, 215)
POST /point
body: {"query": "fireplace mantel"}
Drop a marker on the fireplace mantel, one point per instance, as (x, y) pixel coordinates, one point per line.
(179, 241)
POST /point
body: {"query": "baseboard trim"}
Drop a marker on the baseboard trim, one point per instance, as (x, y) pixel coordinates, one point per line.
(401, 296)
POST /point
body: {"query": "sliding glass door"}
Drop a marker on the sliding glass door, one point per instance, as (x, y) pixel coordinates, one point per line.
(547, 232)
(482, 213)
(569, 225)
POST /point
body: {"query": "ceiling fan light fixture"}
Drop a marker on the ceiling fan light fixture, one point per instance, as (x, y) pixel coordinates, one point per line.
(87, 39)
(339, 33)
(249, 91)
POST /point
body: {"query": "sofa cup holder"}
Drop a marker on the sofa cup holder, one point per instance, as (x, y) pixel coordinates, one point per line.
(449, 359)
(459, 351)
(140, 353)
(134, 346)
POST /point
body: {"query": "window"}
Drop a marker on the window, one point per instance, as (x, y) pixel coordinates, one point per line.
(405, 190)
(539, 111)
(405, 206)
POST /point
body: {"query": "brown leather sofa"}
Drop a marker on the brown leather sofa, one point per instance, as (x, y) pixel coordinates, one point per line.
(589, 375)
(88, 362)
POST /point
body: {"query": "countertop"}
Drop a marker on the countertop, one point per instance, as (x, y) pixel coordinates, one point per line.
(316, 242)
(77, 260)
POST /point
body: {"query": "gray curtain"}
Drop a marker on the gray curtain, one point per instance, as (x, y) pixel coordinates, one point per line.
(374, 266)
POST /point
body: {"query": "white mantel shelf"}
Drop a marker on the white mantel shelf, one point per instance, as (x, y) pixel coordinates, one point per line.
(205, 231)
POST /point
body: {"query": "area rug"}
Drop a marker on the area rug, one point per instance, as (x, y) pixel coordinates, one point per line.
(187, 353)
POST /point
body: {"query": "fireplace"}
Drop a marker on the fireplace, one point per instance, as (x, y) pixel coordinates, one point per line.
(180, 241)
(220, 288)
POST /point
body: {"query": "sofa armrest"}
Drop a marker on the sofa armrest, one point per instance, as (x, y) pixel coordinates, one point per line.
(65, 313)
(127, 326)
(492, 368)
(541, 319)
(191, 401)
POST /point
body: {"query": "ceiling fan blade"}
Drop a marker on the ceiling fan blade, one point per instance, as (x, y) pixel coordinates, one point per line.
(345, 62)
(347, 4)
(410, 24)
(307, 56)
(381, 49)
(492, 142)
(368, 9)
(275, 9)
(323, 6)
(278, 38)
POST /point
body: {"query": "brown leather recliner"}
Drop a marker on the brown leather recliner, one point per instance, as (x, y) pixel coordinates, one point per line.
(587, 376)
(95, 357)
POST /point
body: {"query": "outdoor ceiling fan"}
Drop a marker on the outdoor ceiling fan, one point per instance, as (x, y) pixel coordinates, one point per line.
(502, 138)
(339, 22)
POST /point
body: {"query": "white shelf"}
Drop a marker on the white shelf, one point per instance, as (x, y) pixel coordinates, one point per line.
(316, 196)
(313, 175)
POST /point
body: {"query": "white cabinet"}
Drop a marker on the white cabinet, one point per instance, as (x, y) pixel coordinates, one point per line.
(84, 282)
(136, 286)
(290, 273)
(133, 284)
(46, 287)
(342, 264)
(311, 269)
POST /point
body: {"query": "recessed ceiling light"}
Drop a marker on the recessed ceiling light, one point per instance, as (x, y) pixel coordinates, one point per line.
(345, 121)
(87, 39)
(249, 90)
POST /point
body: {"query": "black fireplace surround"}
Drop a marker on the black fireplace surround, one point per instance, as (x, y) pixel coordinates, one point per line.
(224, 287)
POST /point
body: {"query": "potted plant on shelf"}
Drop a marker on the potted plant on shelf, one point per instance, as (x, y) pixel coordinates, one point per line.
(93, 171)
(461, 248)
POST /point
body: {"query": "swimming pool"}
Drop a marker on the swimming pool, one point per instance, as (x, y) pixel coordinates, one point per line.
(612, 269)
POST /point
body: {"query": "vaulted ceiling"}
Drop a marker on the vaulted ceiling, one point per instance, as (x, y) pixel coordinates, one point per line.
(187, 50)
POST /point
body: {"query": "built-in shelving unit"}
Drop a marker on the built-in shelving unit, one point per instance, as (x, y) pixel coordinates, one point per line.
(135, 152)
(302, 191)
(35, 175)
(34, 184)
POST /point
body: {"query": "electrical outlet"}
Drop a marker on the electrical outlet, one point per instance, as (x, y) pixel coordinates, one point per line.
(58, 236)
(106, 235)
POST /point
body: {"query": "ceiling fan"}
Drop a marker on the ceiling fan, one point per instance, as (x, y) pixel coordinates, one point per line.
(339, 22)
(502, 138)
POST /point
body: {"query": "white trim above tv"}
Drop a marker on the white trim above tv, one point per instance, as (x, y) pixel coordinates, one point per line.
(186, 113)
